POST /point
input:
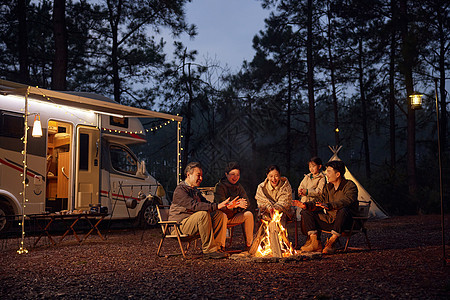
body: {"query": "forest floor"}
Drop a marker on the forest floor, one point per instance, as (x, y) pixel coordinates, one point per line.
(406, 262)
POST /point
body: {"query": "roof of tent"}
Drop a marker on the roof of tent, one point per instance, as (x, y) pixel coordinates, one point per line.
(88, 101)
(375, 209)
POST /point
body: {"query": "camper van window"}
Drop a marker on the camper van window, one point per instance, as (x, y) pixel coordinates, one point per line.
(122, 160)
(84, 151)
(11, 125)
(119, 122)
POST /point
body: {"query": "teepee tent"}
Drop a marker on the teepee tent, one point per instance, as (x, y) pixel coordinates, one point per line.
(375, 209)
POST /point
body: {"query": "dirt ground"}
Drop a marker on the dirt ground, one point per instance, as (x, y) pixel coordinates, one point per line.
(405, 263)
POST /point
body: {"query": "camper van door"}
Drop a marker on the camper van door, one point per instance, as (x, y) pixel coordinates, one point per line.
(87, 167)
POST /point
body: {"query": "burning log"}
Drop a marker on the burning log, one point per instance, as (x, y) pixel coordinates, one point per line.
(257, 240)
(274, 240)
(271, 239)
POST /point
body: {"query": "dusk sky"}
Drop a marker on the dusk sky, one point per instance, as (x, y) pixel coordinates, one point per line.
(225, 29)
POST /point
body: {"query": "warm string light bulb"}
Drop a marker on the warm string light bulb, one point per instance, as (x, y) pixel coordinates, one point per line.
(65, 110)
(154, 128)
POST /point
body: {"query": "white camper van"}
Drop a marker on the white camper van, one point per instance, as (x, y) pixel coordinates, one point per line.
(82, 159)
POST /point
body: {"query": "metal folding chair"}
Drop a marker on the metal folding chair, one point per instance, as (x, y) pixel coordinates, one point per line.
(358, 226)
(171, 229)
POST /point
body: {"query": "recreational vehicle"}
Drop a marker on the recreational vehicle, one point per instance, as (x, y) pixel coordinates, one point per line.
(81, 162)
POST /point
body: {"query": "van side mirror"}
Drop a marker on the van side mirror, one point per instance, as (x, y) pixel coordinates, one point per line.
(141, 169)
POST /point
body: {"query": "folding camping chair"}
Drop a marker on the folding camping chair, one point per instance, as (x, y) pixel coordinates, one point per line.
(358, 225)
(168, 227)
(230, 228)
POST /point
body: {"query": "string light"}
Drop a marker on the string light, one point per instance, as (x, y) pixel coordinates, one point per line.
(66, 111)
(154, 128)
(23, 193)
(179, 149)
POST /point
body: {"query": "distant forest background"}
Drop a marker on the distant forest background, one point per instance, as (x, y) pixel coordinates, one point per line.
(330, 72)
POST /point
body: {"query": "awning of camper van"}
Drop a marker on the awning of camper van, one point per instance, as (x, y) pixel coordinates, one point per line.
(88, 101)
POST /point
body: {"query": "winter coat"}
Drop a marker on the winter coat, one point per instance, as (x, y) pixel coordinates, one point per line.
(186, 201)
(225, 189)
(283, 201)
(313, 186)
(345, 196)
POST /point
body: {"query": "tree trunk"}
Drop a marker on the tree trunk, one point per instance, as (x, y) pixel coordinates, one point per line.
(59, 70)
(363, 110)
(392, 88)
(188, 116)
(288, 126)
(24, 75)
(406, 68)
(310, 79)
(443, 105)
(114, 20)
(333, 80)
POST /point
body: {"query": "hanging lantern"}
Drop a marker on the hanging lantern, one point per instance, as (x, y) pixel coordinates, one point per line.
(416, 100)
(37, 128)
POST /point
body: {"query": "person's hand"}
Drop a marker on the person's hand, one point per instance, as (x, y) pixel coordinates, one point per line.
(224, 203)
(302, 192)
(323, 205)
(234, 203)
(299, 204)
(242, 203)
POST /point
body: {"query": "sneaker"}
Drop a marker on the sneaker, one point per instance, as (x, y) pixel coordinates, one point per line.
(215, 255)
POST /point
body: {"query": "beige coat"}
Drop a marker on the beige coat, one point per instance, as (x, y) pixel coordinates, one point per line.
(282, 201)
(314, 186)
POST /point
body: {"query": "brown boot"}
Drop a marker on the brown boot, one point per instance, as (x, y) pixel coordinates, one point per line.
(308, 241)
(329, 246)
(314, 245)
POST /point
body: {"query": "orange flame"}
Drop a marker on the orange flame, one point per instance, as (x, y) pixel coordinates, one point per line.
(264, 248)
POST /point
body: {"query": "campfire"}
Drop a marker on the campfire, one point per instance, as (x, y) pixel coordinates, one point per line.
(272, 239)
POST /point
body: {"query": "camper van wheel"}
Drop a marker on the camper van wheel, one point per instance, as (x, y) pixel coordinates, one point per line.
(149, 214)
(5, 223)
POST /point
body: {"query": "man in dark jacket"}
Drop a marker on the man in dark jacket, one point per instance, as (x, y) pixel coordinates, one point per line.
(198, 215)
(237, 213)
(331, 211)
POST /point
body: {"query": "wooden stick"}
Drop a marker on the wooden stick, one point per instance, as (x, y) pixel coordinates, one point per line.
(257, 240)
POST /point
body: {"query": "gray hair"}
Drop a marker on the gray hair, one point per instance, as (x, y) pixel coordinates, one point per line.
(191, 166)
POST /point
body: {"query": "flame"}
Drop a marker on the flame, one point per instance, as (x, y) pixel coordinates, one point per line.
(264, 248)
